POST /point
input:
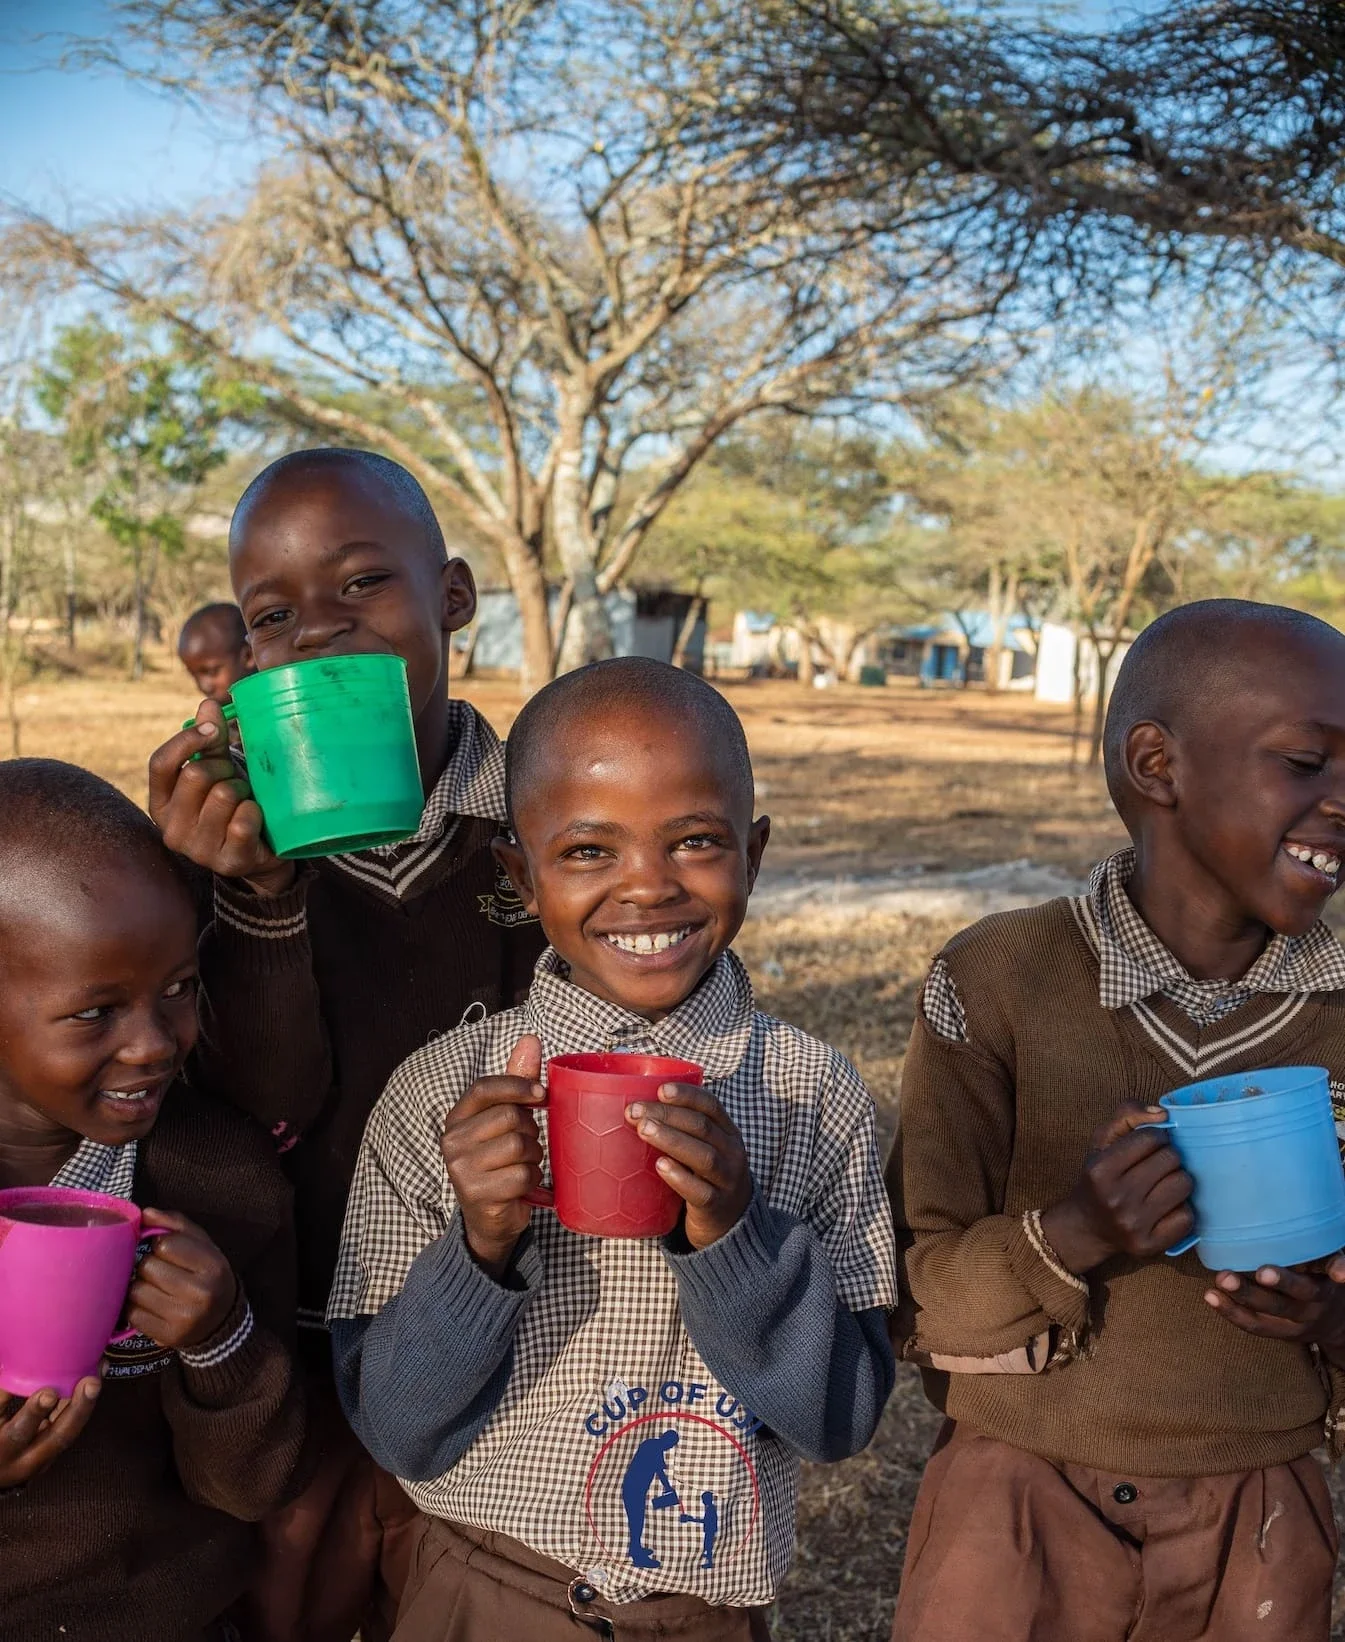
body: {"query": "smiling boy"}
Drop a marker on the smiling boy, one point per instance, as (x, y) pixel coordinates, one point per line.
(1128, 1450)
(560, 1404)
(124, 1514)
(319, 979)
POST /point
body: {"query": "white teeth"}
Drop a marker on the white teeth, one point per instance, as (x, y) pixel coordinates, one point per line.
(1324, 862)
(649, 943)
(124, 1094)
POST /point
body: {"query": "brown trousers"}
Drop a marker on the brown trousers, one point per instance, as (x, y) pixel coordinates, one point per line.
(470, 1586)
(1007, 1547)
(335, 1559)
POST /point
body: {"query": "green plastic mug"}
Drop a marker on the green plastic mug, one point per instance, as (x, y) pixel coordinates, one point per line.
(330, 746)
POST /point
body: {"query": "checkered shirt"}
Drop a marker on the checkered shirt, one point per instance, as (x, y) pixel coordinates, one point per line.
(601, 1345)
(97, 1168)
(1133, 964)
(472, 784)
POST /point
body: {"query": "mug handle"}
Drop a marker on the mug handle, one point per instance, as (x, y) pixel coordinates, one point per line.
(1187, 1243)
(122, 1335)
(543, 1197)
(230, 713)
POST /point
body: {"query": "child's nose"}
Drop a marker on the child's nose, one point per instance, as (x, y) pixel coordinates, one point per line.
(150, 1042)
(320, 630)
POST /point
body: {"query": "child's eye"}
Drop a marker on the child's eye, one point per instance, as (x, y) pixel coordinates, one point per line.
(362, 584)
(181, 989)
(585, 852)
(702, 841)
(99, 1012)
(1305, 763)
(271, 618)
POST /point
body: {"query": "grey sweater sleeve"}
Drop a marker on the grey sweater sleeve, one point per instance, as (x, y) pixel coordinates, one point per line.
(762, 1310)
(419, 1380)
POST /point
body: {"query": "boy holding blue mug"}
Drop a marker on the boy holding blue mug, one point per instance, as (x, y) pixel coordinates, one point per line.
(1128, 1452)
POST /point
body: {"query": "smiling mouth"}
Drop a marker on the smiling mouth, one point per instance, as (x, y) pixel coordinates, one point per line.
(131, 1101)
(645, 945)
(1325, 863)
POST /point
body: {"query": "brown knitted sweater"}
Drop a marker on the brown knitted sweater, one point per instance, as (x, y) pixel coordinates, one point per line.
(140, 1533)
(1150, 1379)
(311, 1000)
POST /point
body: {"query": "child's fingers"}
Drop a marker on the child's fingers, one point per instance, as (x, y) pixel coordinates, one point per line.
(694, 1097)
(34, 1447)
(702, 1157)
(1294, 1285)
(487, 1093)
(1127, 1118)
(20, 1431)
(506, 1151)
(693, 1188)
(167, 762)
(1253, 1320)
(525, 1059)
(1264, 1300)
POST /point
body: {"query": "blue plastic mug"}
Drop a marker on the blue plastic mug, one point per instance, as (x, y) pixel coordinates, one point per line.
(1261, 1148)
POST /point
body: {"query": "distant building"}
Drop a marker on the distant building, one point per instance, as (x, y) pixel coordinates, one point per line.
(645, 622)
(953, 649)
(1059, 650)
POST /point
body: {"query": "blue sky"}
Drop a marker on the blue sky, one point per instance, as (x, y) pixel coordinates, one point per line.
(84, 140)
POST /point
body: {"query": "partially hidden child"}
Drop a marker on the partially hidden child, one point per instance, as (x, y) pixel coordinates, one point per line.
(318, 979)
(213, 647)
(1129, 1441)
(126, 1511)
(605, 1434)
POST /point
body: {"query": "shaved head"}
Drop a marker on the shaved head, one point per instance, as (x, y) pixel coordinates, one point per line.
(220, 625)
(624, 686)
(376, 474)
(62, 822)
(1190, 662)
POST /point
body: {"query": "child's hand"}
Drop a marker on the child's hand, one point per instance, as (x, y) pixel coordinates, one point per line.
(1280, 1304)
(703, 1157)
(494, 1156)
(35, 1432)
(205, 810)
(1130, 1198)
(184, 1288)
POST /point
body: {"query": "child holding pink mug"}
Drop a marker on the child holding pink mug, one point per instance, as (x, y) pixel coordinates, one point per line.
(601, 1410)
(140, 1224)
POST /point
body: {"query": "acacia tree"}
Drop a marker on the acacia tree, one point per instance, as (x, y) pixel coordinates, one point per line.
(146, 426)
(517, 204)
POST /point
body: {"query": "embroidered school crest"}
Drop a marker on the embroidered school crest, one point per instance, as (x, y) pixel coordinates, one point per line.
(503, 906)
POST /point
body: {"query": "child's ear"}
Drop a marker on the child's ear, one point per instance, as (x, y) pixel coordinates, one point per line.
(511, 857)
(458, 587)
(757, 839)
(1149, 763)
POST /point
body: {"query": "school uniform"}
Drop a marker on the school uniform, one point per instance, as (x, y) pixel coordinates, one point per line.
(1118, 1455)
(610, 1436)
(309, 1001)
(142, 1531)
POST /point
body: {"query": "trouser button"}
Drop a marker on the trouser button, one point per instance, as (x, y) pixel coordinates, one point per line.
(1125, 1493)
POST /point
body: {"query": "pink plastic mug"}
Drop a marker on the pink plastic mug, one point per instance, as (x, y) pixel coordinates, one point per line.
(604, 1179)
(66, 1259)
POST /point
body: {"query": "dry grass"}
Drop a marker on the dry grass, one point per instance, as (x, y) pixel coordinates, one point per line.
(855, 781)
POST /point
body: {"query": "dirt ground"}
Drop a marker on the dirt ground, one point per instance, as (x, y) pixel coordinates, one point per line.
(856, 782)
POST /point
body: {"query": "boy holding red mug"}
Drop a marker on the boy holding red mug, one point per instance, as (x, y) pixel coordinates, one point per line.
(604, 1433)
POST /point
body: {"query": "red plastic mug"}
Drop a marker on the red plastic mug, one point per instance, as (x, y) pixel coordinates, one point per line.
(605, 1182)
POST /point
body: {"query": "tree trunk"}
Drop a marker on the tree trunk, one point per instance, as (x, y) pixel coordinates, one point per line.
(138, 650)
(807, 671)
(998, 618)
(1076, 728)
(1100, 703)
(539, 655)
(695, 610)
(588, 632)
(8, 666)
(71, 591)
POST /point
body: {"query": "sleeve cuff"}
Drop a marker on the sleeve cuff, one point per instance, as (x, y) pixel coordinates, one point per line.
(272, 926)
(736, 1261)
(1061, 1294)
(222, 1368)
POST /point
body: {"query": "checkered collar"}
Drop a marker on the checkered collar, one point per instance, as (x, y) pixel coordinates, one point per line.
(712, 1026)
(97, 1168)
(1135, 964)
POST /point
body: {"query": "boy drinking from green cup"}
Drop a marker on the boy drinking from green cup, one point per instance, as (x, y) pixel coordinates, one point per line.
(609, 1429)
(318, 978)
(1129, 1441)
(125, 1511)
